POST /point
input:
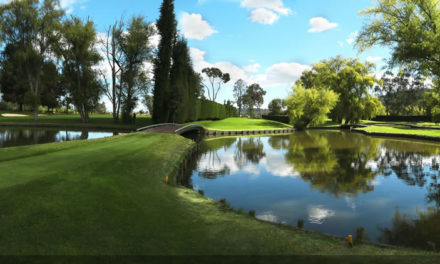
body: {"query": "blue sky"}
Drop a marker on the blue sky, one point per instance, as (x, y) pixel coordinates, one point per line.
(264, 41)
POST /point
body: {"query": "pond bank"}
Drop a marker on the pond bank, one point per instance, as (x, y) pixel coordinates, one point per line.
(108, 196)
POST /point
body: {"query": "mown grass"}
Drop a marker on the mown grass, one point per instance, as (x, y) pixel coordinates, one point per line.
(232, 124)
(402, 130)
(108, 197)
(74, 120)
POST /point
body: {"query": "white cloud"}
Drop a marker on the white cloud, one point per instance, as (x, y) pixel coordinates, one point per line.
(374, 59)
(263, 16)
(284, 73)
(266, 12)
(318, 214)
(68, 5)
(252, 68)
(320, 24)
(352, 37)
(341, 44)
(274, 5)
(194, 27)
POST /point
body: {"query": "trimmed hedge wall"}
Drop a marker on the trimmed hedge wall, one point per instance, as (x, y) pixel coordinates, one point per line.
(207, 110)
(278, 118)
(403, 119)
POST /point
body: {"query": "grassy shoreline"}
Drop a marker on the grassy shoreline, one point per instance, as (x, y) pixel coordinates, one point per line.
(108, 196)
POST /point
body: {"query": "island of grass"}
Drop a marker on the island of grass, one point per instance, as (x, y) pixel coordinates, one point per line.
(97, 121)
(235, 124)
(402, 130)
(108, 196)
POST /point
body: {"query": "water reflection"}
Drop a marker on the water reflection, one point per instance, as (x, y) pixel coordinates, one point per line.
(337, 181)
(18, 136)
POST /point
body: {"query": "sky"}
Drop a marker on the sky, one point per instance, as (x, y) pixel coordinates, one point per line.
(269, 42)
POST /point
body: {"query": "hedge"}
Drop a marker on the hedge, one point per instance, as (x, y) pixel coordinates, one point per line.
(200, 109)
(278, 118)
(403, 119)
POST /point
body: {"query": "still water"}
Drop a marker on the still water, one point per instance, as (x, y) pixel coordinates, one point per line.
(335, 181)
(19, 136)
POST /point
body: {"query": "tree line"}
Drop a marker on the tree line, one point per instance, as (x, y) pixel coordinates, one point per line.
(49, 59)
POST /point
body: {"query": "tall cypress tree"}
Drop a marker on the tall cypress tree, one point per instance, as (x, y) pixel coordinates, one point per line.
(167, 27)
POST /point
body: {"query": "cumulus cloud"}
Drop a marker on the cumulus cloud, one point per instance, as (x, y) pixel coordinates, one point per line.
(274, 5)
(265, 12)
(285, 73)
(352, 37)
(68, 5)
(320, 24)
(194, 27)
(263, 16)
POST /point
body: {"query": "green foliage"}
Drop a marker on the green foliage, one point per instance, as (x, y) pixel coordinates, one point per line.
(100, 108)
(432, 105)
(349, 78)
(216, 78)
(78, 49)
(166, 25)
(276, 107)
(409, 28)
(402, 94)
(135, 47)
(309, 107)
(254, 97)
(239, 91)
(32, 29)
(372, 107)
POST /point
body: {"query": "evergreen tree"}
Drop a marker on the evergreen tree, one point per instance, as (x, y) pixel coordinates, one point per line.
(166, 26)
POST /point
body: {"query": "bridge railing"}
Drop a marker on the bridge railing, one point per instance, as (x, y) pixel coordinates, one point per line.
(188, 128)
(157, 125)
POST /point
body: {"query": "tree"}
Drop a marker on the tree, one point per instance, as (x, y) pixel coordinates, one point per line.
(13, 84)
(35, 28)
(135, 49)
(402, 94)
(309, 107)
(254, 97)
(410, 28)
(78, 47)
(239, 90)
(113, 55)
(166, 26)
(276, 107)
(216, 78)
(52, 88)
(349, 78)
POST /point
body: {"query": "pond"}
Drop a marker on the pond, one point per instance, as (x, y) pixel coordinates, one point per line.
(336, 182)
(21, 136)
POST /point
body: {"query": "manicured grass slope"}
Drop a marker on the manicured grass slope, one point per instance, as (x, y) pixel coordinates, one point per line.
(241, 124)
(402, 130)
(107, 196)
(96, 120)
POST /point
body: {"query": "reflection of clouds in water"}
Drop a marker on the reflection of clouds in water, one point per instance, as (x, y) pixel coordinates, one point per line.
(374, 182)
(267, 216)
(276, 164)
(350, 202)
(318, 214)
(213, 162)
(252, 169)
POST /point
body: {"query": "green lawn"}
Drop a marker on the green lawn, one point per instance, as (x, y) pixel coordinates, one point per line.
(73, 120)
(402, 130)
(231, 124)
(108, 196)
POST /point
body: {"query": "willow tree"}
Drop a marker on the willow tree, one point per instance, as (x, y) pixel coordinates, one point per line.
(349, 78)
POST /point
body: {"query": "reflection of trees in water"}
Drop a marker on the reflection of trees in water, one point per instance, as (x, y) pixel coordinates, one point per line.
(20, 137)
(247, 150)
(415, 163)
(334, 162)
(423, 232)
